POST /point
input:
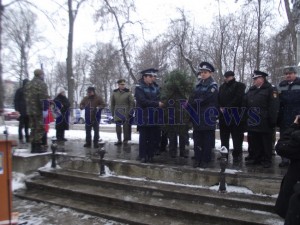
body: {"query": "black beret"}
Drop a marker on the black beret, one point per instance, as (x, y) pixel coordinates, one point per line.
(229, 73)
(150, 71)
(91, 89)
(206, 66)
(257, 73)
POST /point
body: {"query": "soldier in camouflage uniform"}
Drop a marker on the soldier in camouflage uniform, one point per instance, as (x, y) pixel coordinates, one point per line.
(37, 109)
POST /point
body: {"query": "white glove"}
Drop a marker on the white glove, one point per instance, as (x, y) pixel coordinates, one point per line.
(45, 114)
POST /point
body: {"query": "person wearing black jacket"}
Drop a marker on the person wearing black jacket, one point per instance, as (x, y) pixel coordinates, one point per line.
(289, 98)
(288, 146)
(262, 106)
(20, 106)
(231, 94)
(62, 120)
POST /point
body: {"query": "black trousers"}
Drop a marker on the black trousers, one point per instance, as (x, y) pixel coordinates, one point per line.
(88, 132)
(261, 146)
(23, 124)
(173, 141)
(237, 135)
(147, 141)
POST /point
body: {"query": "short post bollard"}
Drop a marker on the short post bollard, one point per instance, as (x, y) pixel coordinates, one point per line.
(101, 162)
(223, 165)
(53, 148)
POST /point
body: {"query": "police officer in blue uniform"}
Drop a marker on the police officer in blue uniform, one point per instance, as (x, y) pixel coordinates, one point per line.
(147, 104)
(204, 101)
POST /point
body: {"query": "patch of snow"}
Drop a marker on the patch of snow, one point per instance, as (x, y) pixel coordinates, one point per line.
(18, 181)
(235, 189)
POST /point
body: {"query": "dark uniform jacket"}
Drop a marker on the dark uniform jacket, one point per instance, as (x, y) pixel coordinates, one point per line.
(147, 101)
(289, 147)
(231, 94)
(92, 105)
(63, 105)
(121, 102)
(289, 97)
(262, 108)
(20, 101)
(205, 100)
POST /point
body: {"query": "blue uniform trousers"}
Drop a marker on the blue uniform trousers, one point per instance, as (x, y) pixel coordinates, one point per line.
(204, 142)
(148, 141)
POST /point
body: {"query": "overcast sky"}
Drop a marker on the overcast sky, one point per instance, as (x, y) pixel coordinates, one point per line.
(155, 14)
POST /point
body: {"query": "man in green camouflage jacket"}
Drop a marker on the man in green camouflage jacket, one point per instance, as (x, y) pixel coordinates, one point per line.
(37, 109)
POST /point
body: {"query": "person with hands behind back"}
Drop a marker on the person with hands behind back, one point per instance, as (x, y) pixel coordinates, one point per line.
(288, 146)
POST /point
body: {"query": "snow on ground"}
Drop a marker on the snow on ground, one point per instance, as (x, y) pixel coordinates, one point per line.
(18, 179)
(34, 213)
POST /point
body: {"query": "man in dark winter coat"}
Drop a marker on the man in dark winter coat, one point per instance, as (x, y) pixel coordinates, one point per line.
(62, 105)
(289, 98)
(92, 104)
(231, 95)
(20, 106)
(204, 101)
(262, 110)
(288, 146)
(121, 104)
(147, 103)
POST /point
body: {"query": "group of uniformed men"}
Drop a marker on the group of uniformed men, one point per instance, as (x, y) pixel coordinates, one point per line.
(257, 112)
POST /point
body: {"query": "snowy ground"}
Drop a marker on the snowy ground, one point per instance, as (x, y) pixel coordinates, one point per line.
(33, 213)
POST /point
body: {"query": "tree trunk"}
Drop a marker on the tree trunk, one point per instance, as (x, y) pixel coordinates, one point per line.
(1, 69)
(70, 76)
(291, 25)
(258, 36)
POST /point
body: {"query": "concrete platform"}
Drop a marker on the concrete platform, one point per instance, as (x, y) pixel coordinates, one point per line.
(25, 162)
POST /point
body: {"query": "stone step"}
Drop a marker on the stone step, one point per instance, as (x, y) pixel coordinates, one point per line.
(170, 190)
(128, 200)
(256, 181)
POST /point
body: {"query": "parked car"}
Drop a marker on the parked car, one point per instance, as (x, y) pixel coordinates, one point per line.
(10, 114)
(106, 116)
(79, 116)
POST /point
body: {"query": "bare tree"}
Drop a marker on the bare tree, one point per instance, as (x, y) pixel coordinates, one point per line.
(120, 11)
(153, 55)
(20, 36)
(182, 38)
(82, 65)
(105, 69)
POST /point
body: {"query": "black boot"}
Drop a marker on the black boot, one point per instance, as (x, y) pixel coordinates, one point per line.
(33, 147)
(183, 154)
(119, 135)
(39, 148)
